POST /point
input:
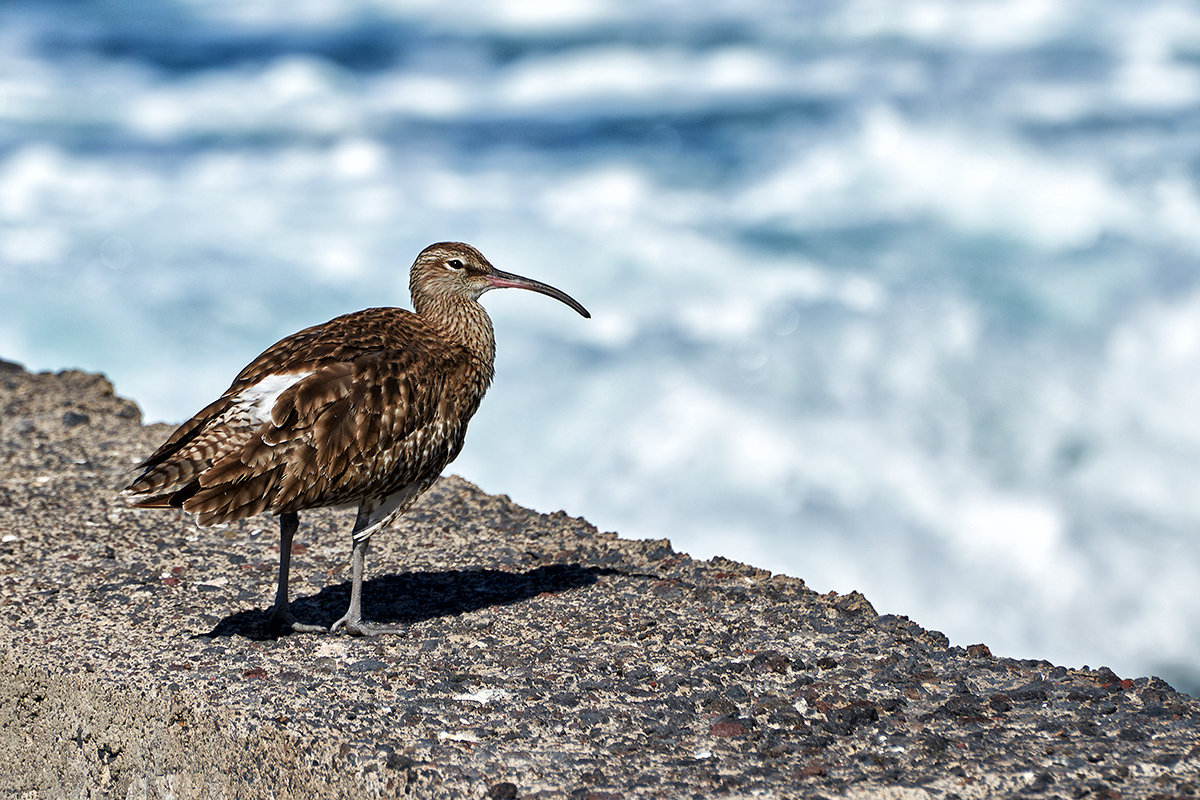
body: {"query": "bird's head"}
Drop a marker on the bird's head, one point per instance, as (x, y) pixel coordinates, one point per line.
(456, 271)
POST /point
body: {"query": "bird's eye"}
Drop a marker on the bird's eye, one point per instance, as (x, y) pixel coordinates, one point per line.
(454, 263)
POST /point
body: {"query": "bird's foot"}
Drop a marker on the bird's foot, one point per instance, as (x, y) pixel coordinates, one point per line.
(356, 627)
(282, 619)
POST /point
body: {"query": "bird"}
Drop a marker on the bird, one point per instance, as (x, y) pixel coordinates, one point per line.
(364, 410)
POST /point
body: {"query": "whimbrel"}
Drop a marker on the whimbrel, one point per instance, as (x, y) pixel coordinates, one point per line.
(366, 409)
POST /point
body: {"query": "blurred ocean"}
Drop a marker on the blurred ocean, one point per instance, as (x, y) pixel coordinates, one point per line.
(896, 297)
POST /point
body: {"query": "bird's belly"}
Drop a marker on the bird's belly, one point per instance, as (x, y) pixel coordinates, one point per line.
(381, 510)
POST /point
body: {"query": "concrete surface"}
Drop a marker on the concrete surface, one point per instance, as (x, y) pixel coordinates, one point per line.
(543, 658)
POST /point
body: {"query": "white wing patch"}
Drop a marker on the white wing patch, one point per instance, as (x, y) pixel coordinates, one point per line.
(257, 401)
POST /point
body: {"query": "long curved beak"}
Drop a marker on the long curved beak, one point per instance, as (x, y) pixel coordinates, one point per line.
(500, 279)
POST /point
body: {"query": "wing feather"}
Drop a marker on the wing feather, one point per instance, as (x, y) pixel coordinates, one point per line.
(362, 415)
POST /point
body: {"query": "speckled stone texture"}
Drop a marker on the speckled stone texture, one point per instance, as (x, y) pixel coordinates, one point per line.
(542, 659)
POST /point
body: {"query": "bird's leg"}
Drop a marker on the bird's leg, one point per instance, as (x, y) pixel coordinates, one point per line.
(352, 622)
(280, 616)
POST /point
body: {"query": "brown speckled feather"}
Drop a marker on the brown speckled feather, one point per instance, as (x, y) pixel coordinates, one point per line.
(367, 408)
(385, 401)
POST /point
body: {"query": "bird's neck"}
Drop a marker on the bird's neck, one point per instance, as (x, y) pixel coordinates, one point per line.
(462, 321)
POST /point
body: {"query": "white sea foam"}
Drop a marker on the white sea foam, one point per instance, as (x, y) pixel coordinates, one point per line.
(981, 25)
(892, 170)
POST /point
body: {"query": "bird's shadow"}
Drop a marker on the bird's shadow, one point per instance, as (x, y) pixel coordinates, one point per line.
(416, 596)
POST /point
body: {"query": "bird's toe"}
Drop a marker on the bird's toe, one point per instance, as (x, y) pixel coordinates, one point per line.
(282, 619)
(360, 628)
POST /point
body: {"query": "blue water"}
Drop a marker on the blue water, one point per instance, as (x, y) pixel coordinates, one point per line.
(896, 297)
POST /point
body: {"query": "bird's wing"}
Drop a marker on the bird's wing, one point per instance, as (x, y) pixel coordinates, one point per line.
(347, 430)
(309, 420)
(213, 430)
